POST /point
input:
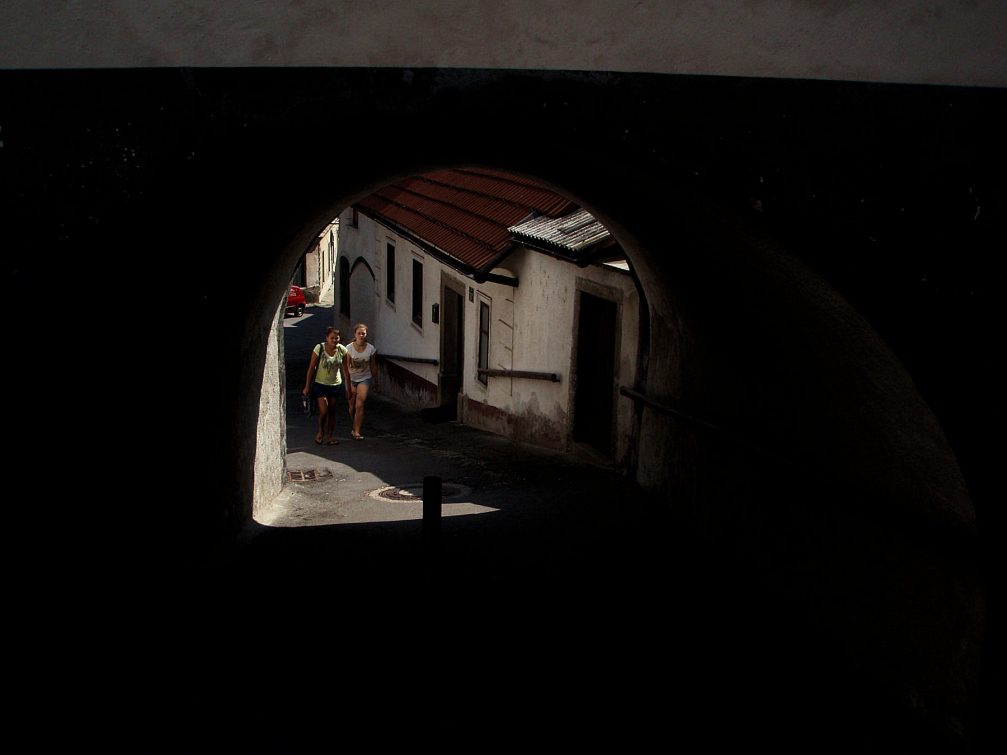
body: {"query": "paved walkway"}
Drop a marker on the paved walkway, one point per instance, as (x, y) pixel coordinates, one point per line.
(551, 503)
(481, 472)
(562, 608)
(508, 507)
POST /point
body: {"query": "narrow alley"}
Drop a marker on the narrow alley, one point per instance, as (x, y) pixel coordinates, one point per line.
(508, 507)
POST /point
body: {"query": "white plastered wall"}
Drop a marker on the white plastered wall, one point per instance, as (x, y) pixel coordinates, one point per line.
(533, 330)
(393, 330)
(532, 325)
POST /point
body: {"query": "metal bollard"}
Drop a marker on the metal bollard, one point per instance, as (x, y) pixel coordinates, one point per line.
(431, 511)
(432, 498)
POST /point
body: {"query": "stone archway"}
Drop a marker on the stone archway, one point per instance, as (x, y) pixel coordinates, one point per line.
(825, 448)
(866, 521)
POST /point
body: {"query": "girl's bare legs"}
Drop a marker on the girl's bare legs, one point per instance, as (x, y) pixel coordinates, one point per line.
(323, 410)
(358, 408)
(331, 420)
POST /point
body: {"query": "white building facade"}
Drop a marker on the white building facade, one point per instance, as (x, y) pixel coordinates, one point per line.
(537, 352)
(318, 265)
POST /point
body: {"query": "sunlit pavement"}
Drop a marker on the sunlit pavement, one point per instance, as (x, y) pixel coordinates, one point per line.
(480, 473)
(504, 502)
(505, 505)
(396, 453)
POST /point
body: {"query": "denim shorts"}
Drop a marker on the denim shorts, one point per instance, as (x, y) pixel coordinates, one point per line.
(321, 390)
(365, 381)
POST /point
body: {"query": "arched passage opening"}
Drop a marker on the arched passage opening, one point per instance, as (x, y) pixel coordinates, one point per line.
(762, 411)
(824, 472)
(747, 305)
(492, 300)
(756, 332)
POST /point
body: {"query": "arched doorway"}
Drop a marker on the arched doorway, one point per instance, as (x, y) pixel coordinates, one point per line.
(361, 295)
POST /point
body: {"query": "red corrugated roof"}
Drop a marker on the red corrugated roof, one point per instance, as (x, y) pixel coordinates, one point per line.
(464, 213)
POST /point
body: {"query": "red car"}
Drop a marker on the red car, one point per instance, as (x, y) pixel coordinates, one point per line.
(295, 301)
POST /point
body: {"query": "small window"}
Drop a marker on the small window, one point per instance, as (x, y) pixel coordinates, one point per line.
(484, 341)
(354, 218)
(344, 286)
(390, 272)
(418, 292)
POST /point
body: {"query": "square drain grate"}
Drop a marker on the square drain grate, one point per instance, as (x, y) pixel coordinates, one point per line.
(307, 475)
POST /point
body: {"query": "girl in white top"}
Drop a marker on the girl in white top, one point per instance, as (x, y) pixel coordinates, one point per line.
(362, 368)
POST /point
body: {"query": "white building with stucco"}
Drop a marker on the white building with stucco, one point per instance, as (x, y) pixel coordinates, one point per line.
(317, 268)
(496, 301)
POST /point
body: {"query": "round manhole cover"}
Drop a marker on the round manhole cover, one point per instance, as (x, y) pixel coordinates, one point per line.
(414, 493)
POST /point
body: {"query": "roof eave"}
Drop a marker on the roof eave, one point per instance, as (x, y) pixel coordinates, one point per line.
(581, 257)
(478, 274)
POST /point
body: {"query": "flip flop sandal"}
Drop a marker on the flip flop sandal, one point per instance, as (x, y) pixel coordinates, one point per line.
(333, 442)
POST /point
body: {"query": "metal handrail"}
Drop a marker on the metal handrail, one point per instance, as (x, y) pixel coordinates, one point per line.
(550, 376)
(396, 357)
(698, 422)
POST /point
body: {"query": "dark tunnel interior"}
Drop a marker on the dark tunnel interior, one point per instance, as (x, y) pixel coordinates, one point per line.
(823, 264)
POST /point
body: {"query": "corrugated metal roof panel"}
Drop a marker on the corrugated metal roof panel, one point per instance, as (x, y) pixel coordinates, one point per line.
(465, 213)
(472, 251)
(507, 187)
(490, 227)
(573, 232)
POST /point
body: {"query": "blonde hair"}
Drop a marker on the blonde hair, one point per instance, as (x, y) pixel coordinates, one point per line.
(358, 326)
